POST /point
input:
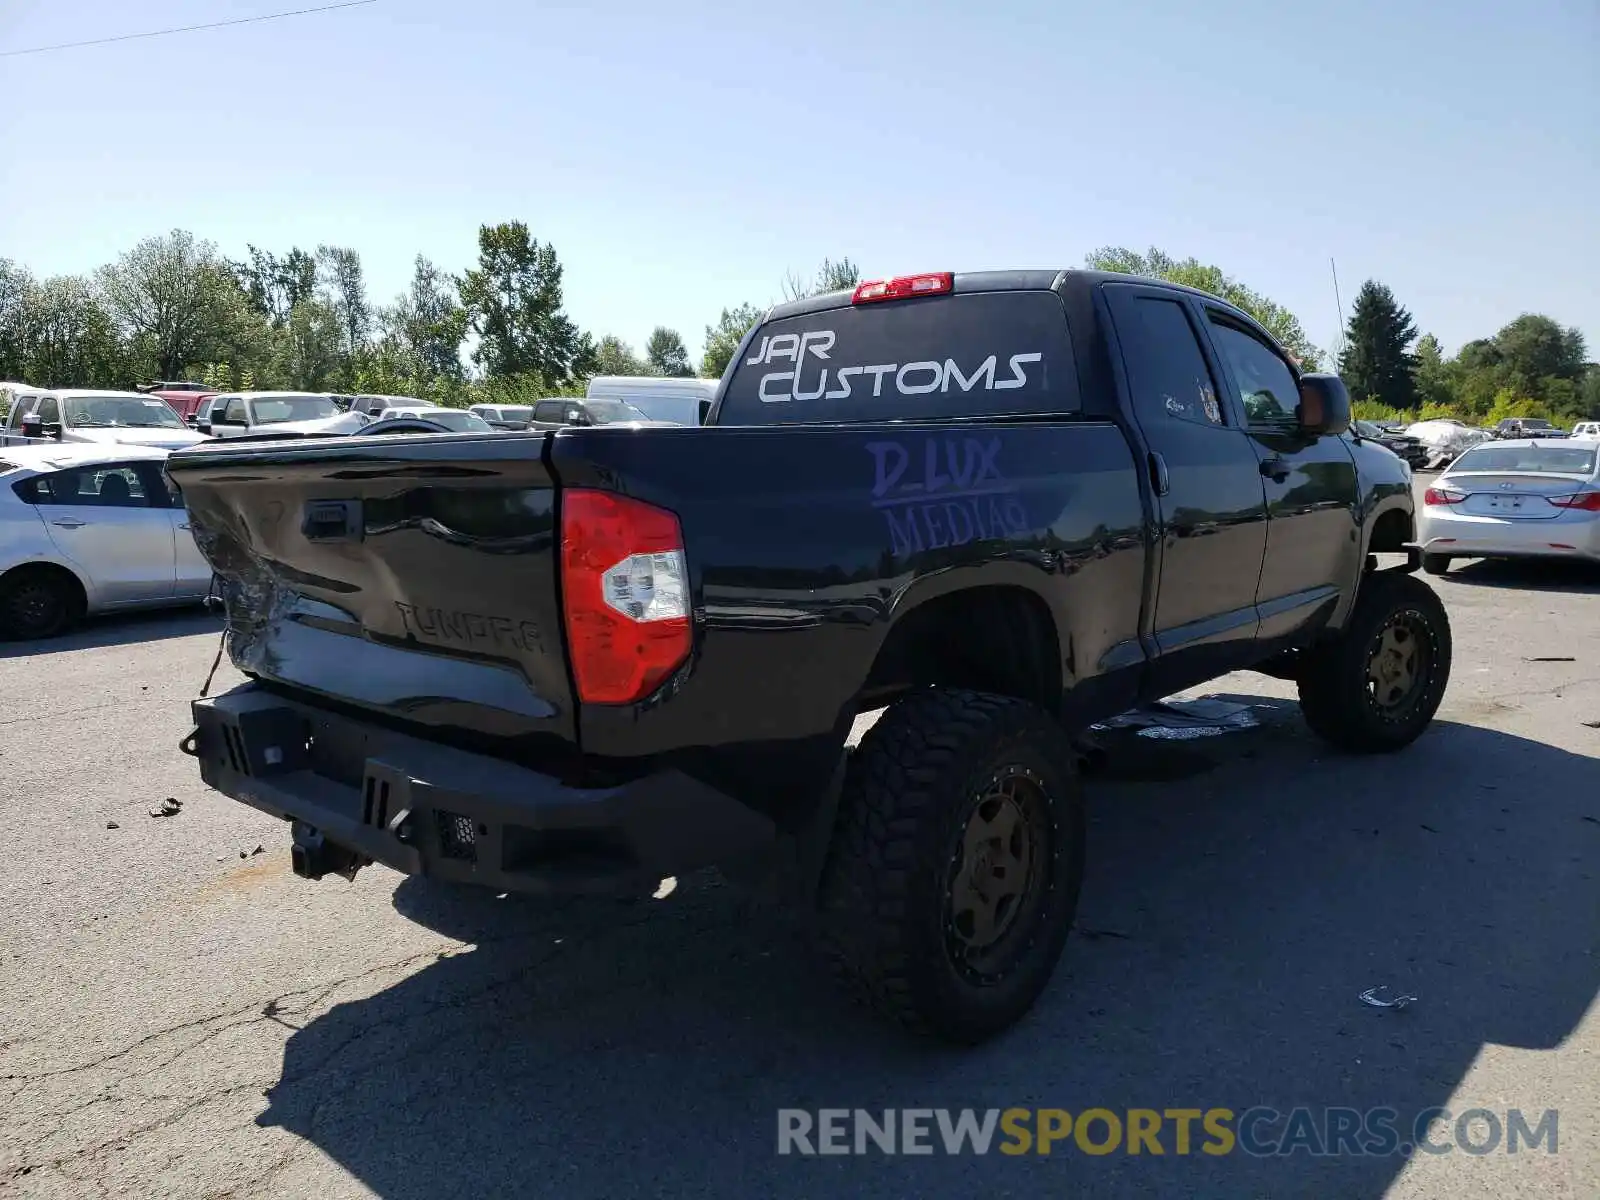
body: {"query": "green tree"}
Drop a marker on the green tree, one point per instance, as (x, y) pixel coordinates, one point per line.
(344, 290)
(614, 356)
(429, 323)
(831, 277)
(666, 353)
(1377, 363)
(69, 339)
(513, 298)
(167, 293)
(15, 286)
(1431, 375)
(723, 338)
(1191, 272)
(312, 344)
(275, 285)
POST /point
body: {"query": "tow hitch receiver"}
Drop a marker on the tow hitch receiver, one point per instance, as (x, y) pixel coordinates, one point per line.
(314, 856)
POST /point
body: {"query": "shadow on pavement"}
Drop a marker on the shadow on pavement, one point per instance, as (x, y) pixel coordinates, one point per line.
(122, 629)
(1233, 915)
(1532, 575)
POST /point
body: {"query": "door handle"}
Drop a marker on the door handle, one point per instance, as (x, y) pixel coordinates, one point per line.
(1159, 479)
(69, 522)
(1275, 468)
(184, 525)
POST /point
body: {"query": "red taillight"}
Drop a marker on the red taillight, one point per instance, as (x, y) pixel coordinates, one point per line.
(625, 593)
(1583, 501)
(901, 287)
(1440, 496)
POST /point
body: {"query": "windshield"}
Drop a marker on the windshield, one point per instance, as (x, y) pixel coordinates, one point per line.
(119, 412)
(1527, 460)
(276, 410)
(605, 412)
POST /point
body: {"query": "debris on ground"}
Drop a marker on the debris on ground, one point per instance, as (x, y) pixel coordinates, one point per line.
(258, 850)
(112, 825)
(1182, 720)
(170, 807)
(1373, 999)
(1551, 658)
(1592, 724)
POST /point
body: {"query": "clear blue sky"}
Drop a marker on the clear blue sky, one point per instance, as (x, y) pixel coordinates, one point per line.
(684, 156)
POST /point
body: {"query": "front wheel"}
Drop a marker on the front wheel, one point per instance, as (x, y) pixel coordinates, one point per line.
(956, 862)
(1376, 686)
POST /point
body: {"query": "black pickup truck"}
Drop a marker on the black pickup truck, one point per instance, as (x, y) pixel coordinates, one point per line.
(1001, 506)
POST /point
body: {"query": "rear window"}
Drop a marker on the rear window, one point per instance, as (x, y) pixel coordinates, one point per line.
(974, 355)
(1527, 460)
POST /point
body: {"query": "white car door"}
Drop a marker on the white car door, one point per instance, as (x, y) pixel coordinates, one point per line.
(104, 518)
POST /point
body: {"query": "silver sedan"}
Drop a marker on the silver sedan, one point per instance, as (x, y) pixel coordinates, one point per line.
(1531, 498)
(90, 528)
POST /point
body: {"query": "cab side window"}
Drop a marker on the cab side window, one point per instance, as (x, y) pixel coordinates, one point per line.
(1167, 370)
(550, 410)
(235, 413)
(49, 410)
(1267, 390)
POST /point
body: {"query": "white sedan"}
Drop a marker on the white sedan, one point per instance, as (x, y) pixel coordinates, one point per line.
(1532, 498)
(87, 529)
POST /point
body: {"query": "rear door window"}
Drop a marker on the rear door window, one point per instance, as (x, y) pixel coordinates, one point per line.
(977, 354)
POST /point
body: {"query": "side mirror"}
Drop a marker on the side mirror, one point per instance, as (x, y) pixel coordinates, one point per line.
(203, 425)
(1324, 405)
(32, 425)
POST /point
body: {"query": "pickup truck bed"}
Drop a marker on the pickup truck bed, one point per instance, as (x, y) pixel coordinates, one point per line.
(1003, 505)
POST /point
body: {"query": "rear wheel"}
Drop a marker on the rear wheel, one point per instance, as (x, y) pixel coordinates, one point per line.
(1435, 564)
(38, 602)
(955, 867)
(1377, 685)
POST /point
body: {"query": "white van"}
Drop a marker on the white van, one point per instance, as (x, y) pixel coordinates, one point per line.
(681, 401)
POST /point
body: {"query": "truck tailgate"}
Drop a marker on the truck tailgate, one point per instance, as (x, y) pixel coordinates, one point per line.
(412, 576)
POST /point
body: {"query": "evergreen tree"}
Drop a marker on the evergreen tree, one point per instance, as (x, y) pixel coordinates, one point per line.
(1377, 363)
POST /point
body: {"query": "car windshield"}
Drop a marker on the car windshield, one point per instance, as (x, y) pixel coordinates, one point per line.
(606, 412)
(275, 410)
(1527, 460)
(112, 412)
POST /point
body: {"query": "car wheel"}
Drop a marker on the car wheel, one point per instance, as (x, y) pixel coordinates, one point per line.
(953, 876)
(38, 602)
(1435, 564)
(1376, 686)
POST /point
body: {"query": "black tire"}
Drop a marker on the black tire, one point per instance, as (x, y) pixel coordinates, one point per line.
(38, 602)
(915, 790)
(1435, 564)
(1395, 613)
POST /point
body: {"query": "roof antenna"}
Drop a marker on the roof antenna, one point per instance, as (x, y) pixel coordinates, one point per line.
(1338, 351)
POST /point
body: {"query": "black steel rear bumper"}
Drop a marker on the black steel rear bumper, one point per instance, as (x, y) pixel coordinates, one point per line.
(427, 809)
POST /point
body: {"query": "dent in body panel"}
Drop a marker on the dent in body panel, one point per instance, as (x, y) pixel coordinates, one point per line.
(433, 604)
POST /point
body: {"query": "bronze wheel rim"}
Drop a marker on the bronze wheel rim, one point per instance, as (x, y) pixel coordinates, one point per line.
(1399, 665)
(993, 884)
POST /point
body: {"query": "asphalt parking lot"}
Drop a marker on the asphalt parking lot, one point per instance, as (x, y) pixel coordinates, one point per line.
(179, 1015)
